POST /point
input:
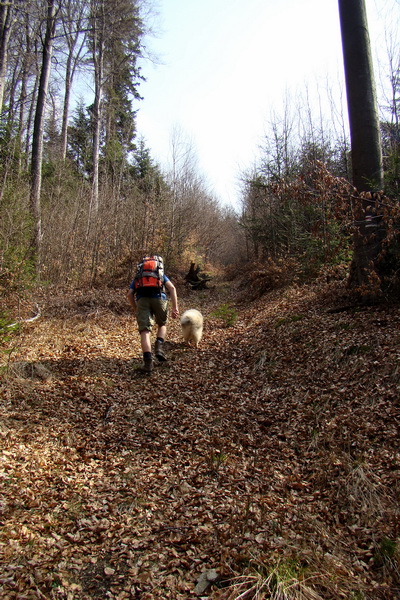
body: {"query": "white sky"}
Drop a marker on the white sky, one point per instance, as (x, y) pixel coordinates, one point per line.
(224, 65)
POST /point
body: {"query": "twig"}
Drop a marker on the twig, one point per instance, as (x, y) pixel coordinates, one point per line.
(38, 314)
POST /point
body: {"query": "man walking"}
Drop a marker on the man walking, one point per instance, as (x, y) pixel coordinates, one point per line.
(148, 298)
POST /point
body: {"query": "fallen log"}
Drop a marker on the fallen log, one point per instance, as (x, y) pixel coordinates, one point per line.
(196, 281)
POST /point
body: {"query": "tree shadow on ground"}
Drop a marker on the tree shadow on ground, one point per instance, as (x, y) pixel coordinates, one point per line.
(61, 368)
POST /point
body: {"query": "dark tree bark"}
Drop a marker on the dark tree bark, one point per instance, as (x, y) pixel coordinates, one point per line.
(195, 281)
(6, 24)
(193, 273)
(366, 152)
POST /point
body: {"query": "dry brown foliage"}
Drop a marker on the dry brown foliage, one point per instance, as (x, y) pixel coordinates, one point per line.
(270, 454)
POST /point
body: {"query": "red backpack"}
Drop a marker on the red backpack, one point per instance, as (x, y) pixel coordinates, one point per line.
(150, 273)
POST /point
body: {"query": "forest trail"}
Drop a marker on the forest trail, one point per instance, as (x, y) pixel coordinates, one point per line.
(273, 446)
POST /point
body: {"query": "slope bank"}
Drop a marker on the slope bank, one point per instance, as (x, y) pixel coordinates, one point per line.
(270, 454)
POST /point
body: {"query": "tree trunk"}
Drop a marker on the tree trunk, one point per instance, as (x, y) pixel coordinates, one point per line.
(67, 95)
(96, 149)
(366, 151)
(30, 119)
(6, 23)
(73, 24)
(98, 39)
(37, 139)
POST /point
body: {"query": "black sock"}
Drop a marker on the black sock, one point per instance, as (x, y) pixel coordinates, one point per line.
(161, 340)
(147, 355)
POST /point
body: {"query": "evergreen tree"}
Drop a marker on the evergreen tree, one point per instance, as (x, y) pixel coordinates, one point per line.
(80, 135)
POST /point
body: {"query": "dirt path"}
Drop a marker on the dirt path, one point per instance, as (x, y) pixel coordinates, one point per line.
(274, 445)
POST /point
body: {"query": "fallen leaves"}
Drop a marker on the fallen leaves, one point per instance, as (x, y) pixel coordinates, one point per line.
(276, 441)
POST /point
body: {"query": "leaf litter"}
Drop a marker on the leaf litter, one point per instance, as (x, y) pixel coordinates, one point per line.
(268, 457)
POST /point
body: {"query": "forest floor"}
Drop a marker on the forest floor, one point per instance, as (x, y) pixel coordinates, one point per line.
(266, 461)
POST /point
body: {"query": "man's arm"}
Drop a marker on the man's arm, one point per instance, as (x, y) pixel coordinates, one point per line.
(174, 298)
(131, 299)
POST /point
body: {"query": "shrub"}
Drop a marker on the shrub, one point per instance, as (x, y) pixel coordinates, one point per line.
(227, 314)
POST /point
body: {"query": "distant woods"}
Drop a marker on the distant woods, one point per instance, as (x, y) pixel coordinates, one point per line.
(81, 197)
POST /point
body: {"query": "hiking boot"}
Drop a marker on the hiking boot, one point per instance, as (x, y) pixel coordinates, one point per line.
(148, 365)
(158, 351)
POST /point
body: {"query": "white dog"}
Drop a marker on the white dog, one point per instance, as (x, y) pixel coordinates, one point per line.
(192, 326)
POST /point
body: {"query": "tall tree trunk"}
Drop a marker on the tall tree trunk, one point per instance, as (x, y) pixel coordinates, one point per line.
(6, 23)
(67, 95)
(366, 151)
(37, 139)
(96, 147)
(98, 40)
(30, 119)
(73, 26)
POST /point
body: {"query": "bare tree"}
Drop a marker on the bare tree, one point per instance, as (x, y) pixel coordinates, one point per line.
(390, 125)
(7, 20)
(73, 17)
(97, 40)
(37, 140)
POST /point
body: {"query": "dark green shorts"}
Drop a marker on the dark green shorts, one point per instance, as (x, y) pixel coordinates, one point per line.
(150, 310)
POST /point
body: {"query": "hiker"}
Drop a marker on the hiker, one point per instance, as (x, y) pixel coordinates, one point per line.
(149, 301)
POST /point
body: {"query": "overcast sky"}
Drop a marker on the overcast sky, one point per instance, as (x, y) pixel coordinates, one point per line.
(225, 65)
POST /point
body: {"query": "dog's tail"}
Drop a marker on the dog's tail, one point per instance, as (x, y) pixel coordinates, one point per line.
(185, 320)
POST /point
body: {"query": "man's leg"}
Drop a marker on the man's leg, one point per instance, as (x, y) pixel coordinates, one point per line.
(158, 348)
(145, 340)
(145, 322)
(160, 311)
(162, 332)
